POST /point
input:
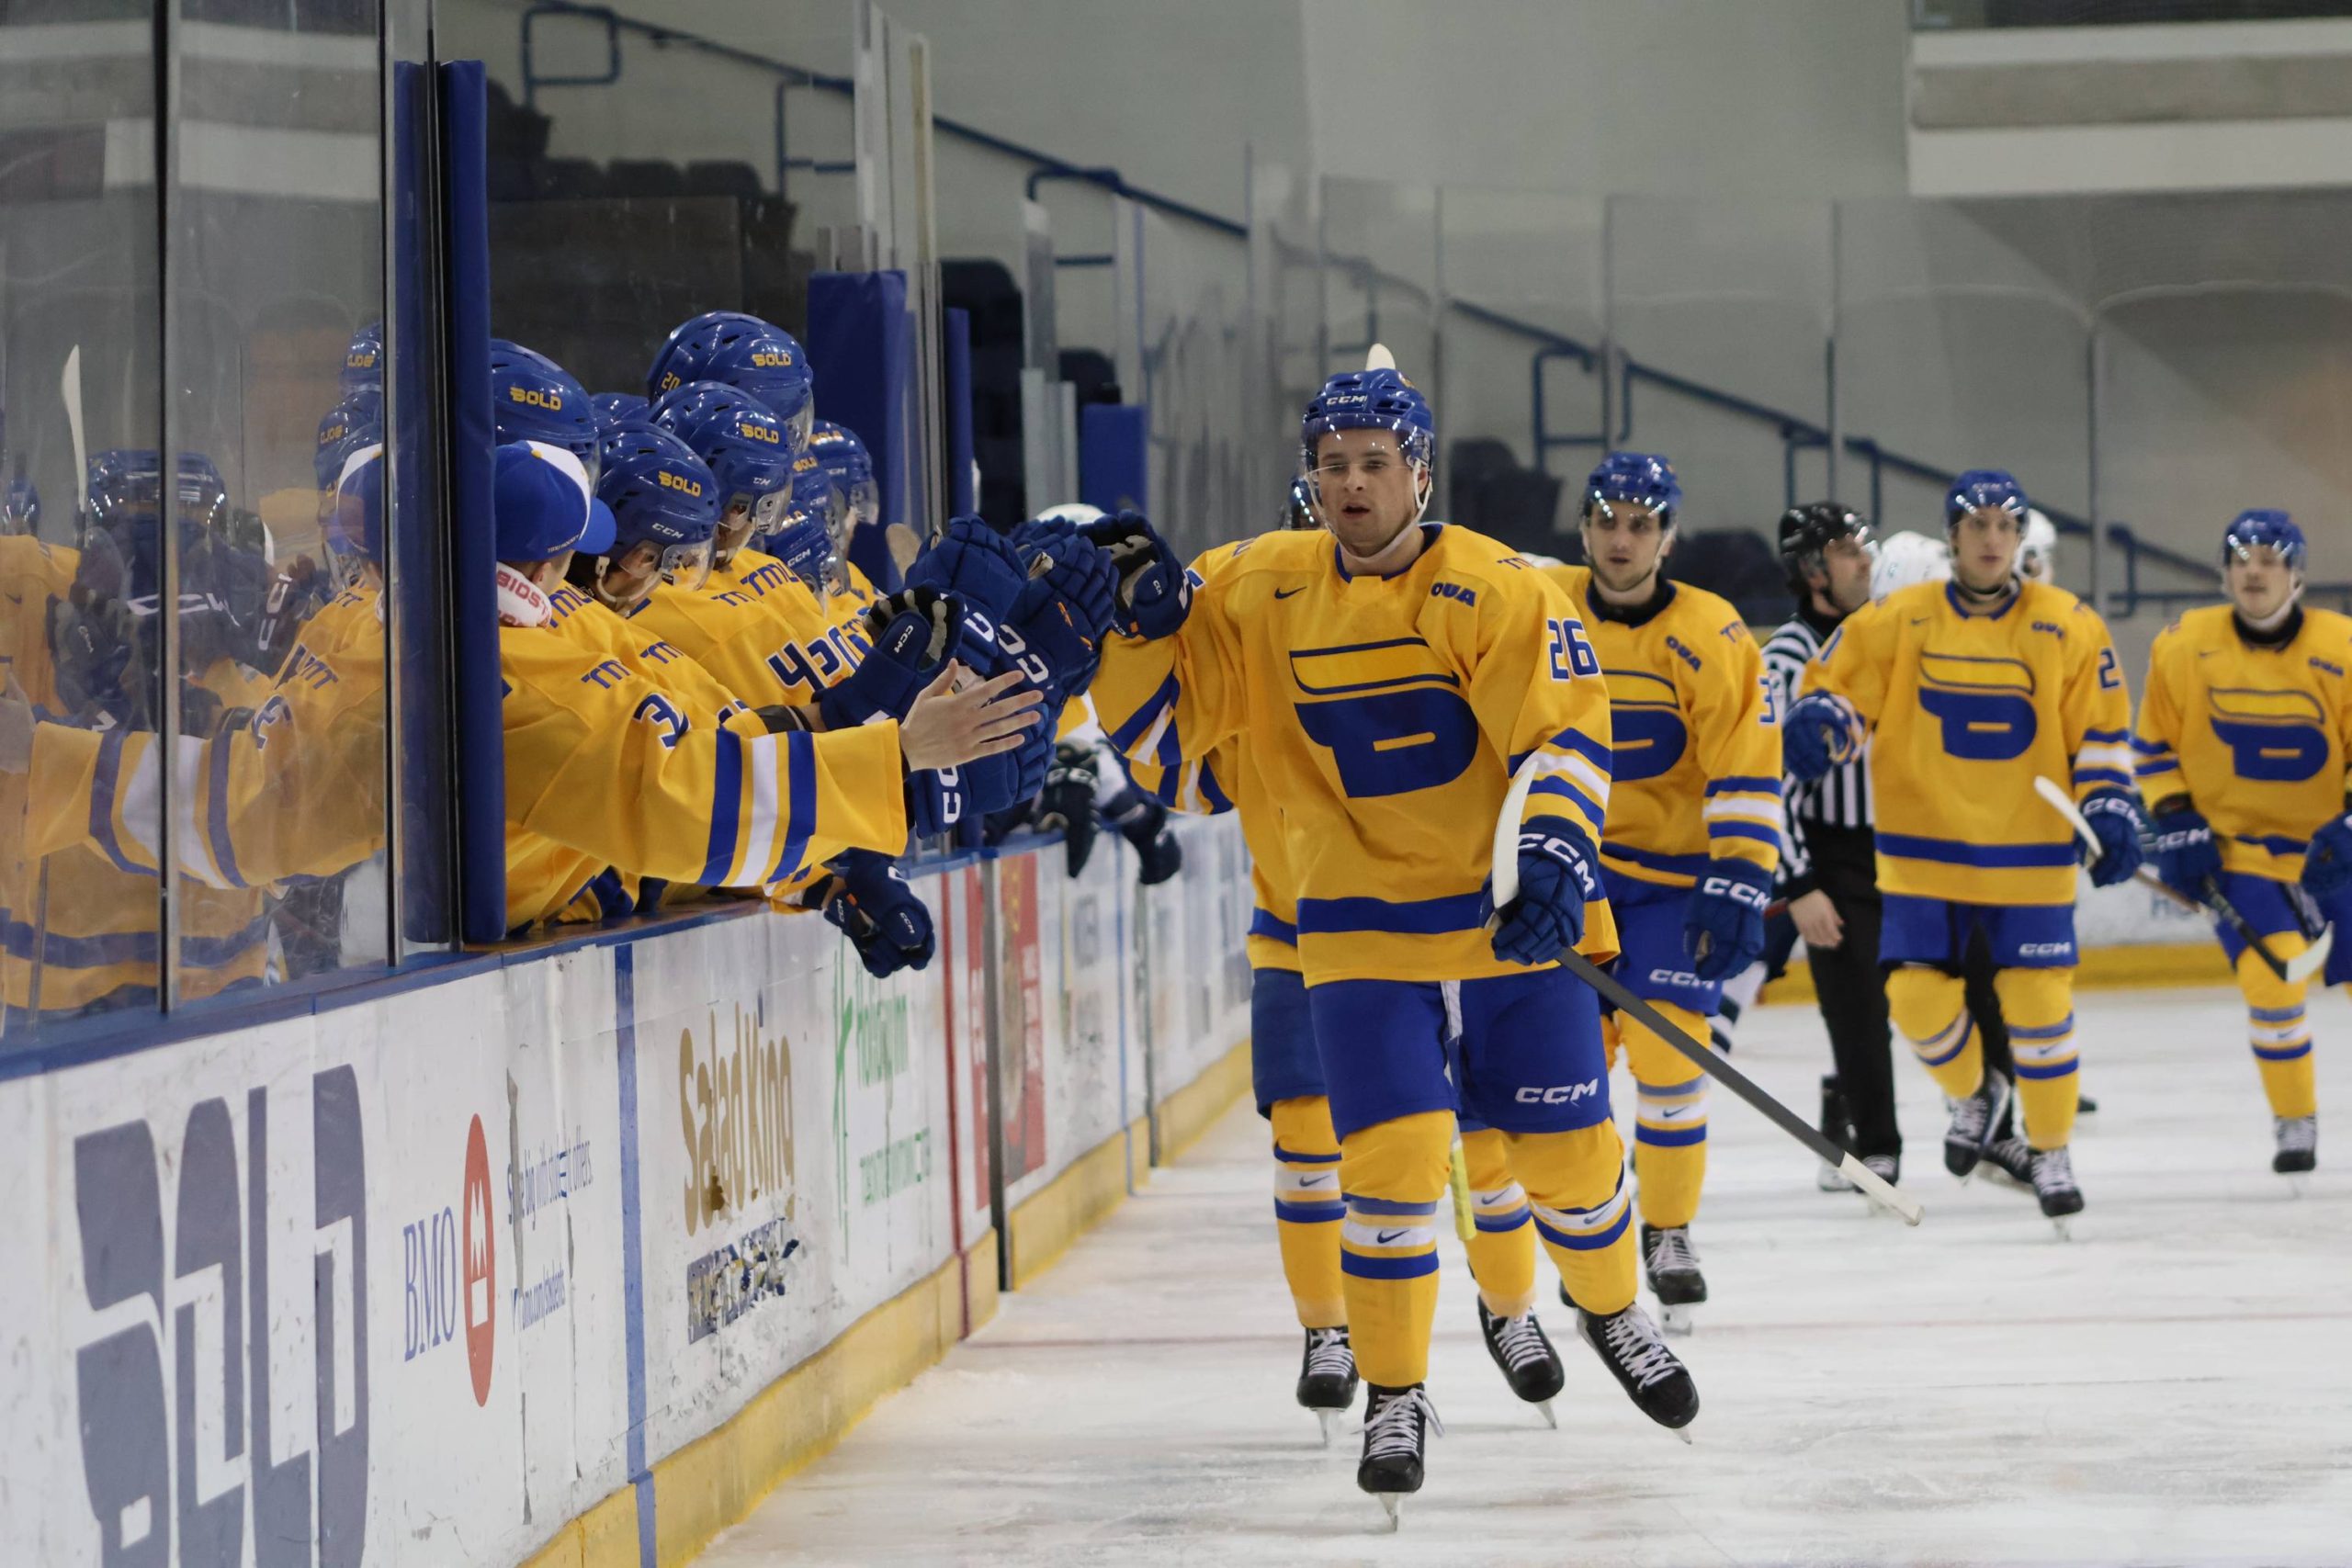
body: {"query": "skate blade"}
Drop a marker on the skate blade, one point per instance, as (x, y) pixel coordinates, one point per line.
(2063, 1226)
(1329, 1421)
(1683, 1432)
(1395, 1502)
(2299, 1184)
(1677, 1320)
(1544, 1408)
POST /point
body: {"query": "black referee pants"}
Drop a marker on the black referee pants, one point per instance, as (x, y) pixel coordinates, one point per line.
(1851, 989)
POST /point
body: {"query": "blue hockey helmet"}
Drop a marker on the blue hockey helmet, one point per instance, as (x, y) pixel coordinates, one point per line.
(1980, 490)
(661, 496)
(748, 450)
(2259, 527)
(1370, 399)
(534, 399)
(125, 487)
(857, 498)
(541, 505)
(349, 425)
(616, 409)
(363, 361)
(800, 541)
(1643, 478)
(746, 353)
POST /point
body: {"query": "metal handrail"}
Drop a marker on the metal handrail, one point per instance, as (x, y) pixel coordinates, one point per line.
(1796, 432)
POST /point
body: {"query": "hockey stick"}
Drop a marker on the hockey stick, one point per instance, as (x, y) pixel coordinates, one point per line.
(2293, 971)
(1505, 873)
(69, 389)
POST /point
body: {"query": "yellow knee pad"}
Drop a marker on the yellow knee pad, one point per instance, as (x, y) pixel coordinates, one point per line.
(1501, 1237)
(1929, 1009)
(1575, 1183)
(1308, 1208)
(1393, 1175)
(2038, 1007)
(2279, 1031)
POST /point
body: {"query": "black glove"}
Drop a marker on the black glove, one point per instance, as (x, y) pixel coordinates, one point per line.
(1065, 805)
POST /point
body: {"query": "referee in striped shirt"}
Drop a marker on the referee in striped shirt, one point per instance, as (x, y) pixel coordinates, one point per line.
(1830, 866)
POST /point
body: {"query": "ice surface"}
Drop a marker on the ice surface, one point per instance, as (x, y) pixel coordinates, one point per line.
(2174, 1385)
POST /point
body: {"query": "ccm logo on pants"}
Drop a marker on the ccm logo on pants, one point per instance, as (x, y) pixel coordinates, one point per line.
(1558, 1094)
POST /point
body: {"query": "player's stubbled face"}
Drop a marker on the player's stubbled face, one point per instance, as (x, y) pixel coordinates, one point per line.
(1365, 489)
(2259, 584)
(1623, 541)
(1984, 548)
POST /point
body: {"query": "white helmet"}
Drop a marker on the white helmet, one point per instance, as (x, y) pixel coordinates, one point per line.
(1907, 557)
(2038, 550)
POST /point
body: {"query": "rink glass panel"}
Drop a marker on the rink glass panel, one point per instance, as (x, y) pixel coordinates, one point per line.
(163, 599)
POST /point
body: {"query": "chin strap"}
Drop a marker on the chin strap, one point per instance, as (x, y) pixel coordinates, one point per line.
(2278, 618)
(520, 603)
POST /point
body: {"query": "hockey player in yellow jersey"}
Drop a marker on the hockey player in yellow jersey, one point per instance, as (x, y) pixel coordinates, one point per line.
(1286, 1075)
(1389, 679)
(1969, 691)
(1693, 831)
(602, 762)
(2241, 749)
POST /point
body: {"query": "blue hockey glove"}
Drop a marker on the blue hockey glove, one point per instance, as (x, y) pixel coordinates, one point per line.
(992, 784)
(2327, 865)
(975, 562)
(2187, 857)
(879, 913)
(1066, 608)
(1817, 736)
(2117, 822)
(913, 633)
(1155, 591)
(1066, 804)
(1556, 879)
(1724, 928)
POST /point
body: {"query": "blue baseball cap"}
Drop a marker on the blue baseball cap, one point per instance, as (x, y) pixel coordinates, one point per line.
(543, 507)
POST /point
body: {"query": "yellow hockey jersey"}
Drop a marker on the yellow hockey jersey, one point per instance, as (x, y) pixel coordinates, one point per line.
(758, 629)
(603, 764)
(1386, 716)
(1695, 732)
(2257, 738)
(1964, 708)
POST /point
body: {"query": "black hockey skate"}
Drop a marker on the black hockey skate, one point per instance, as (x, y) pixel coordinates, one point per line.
(2012, 1157)
(2053, 1183)
(1630, 1345)
(1523, 1353)
(1887, 1167)
(1397, 1425)
(1327, 1377)
(1974, 1123)
(1837, 1128)
(2298, 1146)
(1672, 1265)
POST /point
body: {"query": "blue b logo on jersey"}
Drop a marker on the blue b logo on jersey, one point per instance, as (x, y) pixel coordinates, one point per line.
(2273, 736)
(1647, 736)
(1392, 717)
(1985, 705)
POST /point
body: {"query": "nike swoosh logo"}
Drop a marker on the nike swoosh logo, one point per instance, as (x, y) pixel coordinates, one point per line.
(1286, 592)
(1327, 1179)
(2207, 652)
(1388, 1239)
(1920, 620)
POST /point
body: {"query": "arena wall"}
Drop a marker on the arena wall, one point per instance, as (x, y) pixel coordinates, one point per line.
(572, 1251)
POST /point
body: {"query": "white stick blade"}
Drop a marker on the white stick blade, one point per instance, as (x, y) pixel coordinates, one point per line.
(1504, 871)
(2063, 803)
(1378, 358)
(2309, 962)
(1879, 1191)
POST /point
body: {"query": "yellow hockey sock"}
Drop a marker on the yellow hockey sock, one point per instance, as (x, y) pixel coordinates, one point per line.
(1670, 1120)
(2279, 1031)
(1928, 1008)
(1576, 1185)
(2038, 1006)
(1501, 1241)
(1307, 1209)
(1394, 1174)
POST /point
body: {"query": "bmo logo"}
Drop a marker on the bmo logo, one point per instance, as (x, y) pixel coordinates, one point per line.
(451, 1274)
